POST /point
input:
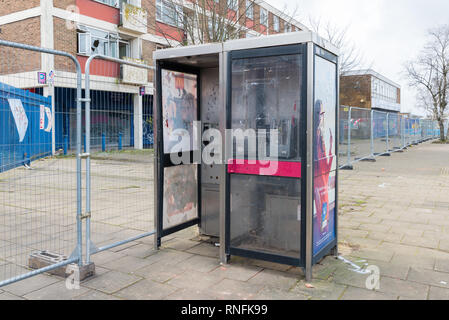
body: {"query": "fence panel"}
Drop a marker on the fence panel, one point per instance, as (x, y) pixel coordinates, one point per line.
(380, 131)
(120, 194)
(343, 148)
(394, 132)
(366, 134)
(39, 185)
(360, 134)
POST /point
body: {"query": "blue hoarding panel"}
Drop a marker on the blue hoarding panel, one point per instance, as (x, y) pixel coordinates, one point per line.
(25, 127)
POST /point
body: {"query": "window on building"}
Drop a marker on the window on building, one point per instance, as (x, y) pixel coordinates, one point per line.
(276, 23)
(249, 9)
(233, 5)
(114, 3)
(136, 3)
(169, 13)
(95, 41)
(124, 49)
(287, 27)
(263, 17)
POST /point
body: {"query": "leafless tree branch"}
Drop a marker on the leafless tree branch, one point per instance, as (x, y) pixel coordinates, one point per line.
(429, 74)
(351, 57)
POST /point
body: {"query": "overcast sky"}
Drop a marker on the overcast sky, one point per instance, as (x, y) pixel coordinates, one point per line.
(388, 32)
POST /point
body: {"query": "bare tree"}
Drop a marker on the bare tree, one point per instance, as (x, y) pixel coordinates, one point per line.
(429, 74)
(350, 57)
(202, 21)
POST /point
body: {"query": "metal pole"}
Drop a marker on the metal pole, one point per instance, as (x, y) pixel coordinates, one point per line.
(403, 132)
(53, 116)
(349, 135)
(78, 169)
(372, 134)
(388, 132)
(39, 271)
(309, 159)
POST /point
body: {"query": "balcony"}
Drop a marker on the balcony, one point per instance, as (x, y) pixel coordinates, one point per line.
(133, 75)
(133, 19)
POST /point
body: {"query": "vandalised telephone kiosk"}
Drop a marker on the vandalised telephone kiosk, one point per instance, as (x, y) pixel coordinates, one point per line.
(246, 148)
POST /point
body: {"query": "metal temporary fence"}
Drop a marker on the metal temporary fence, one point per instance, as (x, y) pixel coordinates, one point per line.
(40, 188)
(119, 171)
(366, 134)
(42, 119)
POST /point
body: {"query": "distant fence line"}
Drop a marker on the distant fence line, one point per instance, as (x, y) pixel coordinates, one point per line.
(366, 134)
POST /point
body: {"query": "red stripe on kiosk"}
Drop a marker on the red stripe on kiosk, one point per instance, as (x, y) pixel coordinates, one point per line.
(265, 168)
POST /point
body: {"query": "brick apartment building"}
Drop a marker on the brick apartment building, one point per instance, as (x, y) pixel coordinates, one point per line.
(369, 89)
(108, 27)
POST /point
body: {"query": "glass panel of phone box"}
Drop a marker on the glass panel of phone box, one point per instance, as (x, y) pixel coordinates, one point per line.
(266, 209)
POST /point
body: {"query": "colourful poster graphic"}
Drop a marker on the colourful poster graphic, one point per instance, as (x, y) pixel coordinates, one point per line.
(179, 110)
(325, 161)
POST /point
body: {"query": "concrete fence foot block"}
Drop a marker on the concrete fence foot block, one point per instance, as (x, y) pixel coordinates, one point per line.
(369, 160)
(41, 259)
(85, 271)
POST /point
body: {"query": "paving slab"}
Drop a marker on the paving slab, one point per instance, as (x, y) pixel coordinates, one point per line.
(236, 290)
(201, 263)
(106, 256)
(169, 256)
(436, 293)
(403, 288)
(160, 271)
(146, 290)
(96, 295)
(111, 282)
(141, 250)
(442, 265)
(275, 279)
(9, 296)
(179, 244)
(277, 294)
(188, 294)
(352, 293)
(321, 290)
(29, 285)
(127, 264)
(237, 272)
(195, 280)
(429, 277)
(205, 249)
(56, 291)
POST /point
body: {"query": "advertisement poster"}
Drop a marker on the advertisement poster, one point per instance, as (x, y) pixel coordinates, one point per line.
(42, 118)
(20, 117)
(325, 163)
(179, 110)
(180, 195)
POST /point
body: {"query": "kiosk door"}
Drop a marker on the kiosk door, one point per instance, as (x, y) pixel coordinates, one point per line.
(266, 108)
(178, 205)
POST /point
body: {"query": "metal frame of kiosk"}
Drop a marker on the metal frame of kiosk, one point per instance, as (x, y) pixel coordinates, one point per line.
(287, 83)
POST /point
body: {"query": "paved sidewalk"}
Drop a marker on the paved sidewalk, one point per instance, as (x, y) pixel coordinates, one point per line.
(394, 214)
